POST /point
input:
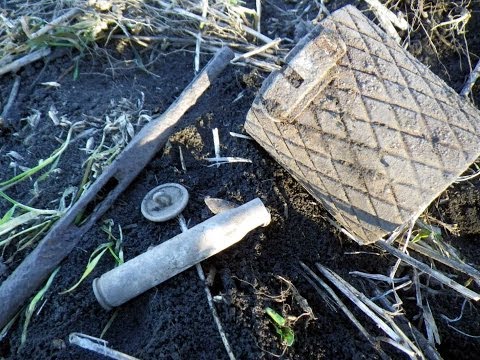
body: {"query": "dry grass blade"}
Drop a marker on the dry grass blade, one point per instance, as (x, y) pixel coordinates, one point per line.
(201, 25)
(25, 60)
(427, 269)
(472, 79)
(98, 346)
(454, 264)
(311, 275)
(11, 99)
(381, 317)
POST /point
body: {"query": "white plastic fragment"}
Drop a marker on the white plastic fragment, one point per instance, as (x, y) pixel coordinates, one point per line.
(50, 84)
(216, 143)
(219, 160)
(226, 160)
(234, 134)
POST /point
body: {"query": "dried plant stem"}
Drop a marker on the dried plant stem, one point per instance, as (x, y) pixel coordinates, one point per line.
(371, 339)
(474, 75)
(24, 60)
(226, 344)
(381, 317)
(454, 264)
(258, 50)
(430, 352)
(258, 5)
(59, 20)
(11, 99)
(180, 11)
(428, 270)
(36, 55)
(98, 346)
(216, 318)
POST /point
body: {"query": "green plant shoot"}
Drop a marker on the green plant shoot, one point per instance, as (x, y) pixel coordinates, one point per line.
(114, 246)
(92, 263)
(281, 326)
(33, 304)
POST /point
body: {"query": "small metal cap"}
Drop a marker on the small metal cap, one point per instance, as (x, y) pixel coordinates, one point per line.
(164, 202)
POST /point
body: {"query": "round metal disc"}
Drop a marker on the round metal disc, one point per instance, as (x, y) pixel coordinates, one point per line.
(164, 202)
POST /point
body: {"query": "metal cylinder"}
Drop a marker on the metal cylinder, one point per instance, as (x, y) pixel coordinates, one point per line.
(178, 254)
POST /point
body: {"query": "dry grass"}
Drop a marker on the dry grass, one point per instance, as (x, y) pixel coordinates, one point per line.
(443, 22)
(161, 25)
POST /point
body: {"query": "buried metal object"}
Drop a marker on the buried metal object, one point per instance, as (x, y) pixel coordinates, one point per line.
(365, 127)
(179, 253)
(164, 202)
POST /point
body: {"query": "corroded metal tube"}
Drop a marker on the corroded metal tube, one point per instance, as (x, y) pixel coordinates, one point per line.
(178, 254)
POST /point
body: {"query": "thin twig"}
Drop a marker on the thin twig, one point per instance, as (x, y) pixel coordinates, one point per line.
(258, 50)
(97, 345)
(59, 20)
(201, 275)
(371, 339)
(427, 269)
(474, 75)
(11, 99)
(24, 60)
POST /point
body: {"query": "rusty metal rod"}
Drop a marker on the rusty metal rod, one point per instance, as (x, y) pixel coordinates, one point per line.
(65, 235)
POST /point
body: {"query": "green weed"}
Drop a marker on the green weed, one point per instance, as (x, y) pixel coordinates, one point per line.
(33, 305)
(114, 246)
(282, 327)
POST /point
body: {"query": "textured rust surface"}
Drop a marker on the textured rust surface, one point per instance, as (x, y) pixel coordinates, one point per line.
(379, 140)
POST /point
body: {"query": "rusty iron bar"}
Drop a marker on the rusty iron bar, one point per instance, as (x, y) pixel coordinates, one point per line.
(65, 235)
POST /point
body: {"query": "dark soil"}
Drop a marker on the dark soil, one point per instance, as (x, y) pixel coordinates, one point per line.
(173, 320)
